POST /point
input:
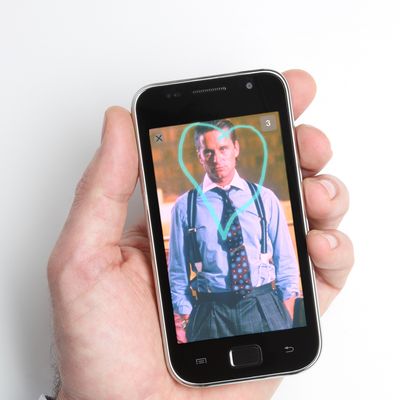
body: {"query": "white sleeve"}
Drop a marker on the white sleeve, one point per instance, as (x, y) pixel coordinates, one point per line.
(43, 397)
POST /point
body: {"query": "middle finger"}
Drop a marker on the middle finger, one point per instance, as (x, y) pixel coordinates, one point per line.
(314, 149)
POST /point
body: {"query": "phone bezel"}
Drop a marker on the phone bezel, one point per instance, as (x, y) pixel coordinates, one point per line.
(152, 108)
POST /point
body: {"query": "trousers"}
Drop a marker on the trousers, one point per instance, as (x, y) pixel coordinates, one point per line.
(257, 312)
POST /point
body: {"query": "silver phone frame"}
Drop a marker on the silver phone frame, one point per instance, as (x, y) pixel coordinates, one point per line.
(151, 237)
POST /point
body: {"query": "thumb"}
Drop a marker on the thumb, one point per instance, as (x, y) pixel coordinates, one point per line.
(98, 213)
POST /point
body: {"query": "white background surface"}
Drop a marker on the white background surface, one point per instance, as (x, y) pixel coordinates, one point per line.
(63, 63)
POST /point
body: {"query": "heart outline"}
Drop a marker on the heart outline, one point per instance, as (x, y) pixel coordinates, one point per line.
(224, 133)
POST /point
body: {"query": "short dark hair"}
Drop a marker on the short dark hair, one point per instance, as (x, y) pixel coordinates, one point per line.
(200, 130)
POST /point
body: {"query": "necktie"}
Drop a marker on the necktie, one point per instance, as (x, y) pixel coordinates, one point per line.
(236, 251)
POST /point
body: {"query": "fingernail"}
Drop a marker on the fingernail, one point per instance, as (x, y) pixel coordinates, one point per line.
(329, 186)
(333, 242)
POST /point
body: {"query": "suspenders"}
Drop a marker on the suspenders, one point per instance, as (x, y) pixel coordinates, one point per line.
(193, 248)
(194, 251)
(261, 213)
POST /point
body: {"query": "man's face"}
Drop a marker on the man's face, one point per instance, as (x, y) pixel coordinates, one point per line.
(218, 156)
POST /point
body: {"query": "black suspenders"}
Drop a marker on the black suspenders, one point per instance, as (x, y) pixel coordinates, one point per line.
(193, 248)
(261, 213)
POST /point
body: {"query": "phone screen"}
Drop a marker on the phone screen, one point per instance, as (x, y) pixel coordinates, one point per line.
(227, 226)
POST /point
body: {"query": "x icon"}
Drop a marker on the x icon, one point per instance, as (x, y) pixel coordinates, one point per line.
(159, 138)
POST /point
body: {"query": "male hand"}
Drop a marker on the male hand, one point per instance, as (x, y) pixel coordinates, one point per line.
(289, 304)
(181, 321)
(105, 316)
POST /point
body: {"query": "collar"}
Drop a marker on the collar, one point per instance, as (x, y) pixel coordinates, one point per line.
(236, 182)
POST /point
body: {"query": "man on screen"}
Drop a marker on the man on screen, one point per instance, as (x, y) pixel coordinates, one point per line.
(246, 280)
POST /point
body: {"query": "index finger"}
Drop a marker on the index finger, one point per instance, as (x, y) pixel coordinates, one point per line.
(302, 89)
(313, 145)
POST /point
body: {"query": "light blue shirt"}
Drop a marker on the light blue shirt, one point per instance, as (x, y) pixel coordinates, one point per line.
(278, 264)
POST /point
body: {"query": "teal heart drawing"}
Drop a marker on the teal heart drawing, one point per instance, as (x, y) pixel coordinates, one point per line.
(223, 231)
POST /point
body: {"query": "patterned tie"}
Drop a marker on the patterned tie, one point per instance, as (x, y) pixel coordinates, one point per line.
(237, 256)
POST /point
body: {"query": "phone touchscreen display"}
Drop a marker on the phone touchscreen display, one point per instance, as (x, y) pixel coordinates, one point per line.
(227, 227)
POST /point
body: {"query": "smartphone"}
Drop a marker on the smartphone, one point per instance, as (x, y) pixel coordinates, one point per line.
(222, 192)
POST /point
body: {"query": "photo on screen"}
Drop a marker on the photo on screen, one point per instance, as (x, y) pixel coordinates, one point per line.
(227, 227)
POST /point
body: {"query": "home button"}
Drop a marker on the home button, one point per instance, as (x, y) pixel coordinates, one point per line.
(245, 356)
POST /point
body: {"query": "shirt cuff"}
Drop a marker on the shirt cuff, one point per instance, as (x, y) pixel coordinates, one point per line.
(43, 397)
(184, 308)
(290, 292)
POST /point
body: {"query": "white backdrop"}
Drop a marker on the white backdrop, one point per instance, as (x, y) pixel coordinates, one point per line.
(63, 63)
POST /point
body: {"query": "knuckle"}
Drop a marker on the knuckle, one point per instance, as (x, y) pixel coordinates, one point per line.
(77, 267)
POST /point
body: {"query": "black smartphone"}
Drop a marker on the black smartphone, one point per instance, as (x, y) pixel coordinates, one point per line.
(222, 192)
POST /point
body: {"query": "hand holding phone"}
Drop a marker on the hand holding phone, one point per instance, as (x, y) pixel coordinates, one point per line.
(222, 192)
(106, 325)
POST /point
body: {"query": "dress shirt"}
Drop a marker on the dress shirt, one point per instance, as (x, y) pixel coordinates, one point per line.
(278, 264)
